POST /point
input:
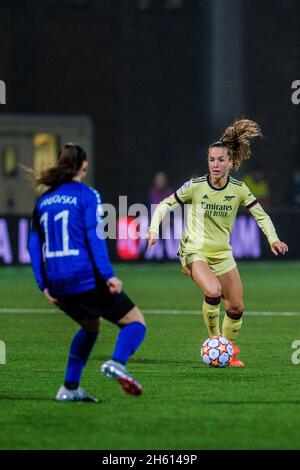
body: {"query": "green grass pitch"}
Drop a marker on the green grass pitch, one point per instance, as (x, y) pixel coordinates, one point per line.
(185, 404)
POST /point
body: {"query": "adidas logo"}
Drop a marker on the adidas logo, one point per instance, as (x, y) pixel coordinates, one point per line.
(205, 196)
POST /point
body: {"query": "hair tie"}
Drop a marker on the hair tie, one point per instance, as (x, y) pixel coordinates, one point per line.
(217, 144)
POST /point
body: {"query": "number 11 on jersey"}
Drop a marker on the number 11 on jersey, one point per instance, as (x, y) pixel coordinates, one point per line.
(66, 251)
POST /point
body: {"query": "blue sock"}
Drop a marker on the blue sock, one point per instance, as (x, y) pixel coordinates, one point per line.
(129, 339)
(80, 350)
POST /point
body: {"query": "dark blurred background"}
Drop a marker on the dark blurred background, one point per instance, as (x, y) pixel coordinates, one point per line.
(161, 80)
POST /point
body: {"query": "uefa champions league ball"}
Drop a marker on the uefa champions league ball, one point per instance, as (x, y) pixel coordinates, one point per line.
(216, 351)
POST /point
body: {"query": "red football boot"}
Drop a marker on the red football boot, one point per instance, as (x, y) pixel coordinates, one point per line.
(235, 362)
(236, 349)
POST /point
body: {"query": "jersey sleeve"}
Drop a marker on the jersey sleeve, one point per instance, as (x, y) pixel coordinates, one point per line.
(183, 195)
(247, 199)
(35, 248)
(264, 222)
(93, 221)
(169, 203)
(262, 218)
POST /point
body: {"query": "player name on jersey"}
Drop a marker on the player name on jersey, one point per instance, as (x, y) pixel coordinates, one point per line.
(59, 199)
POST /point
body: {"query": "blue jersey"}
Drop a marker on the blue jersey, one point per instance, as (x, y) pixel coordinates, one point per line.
(66, 253)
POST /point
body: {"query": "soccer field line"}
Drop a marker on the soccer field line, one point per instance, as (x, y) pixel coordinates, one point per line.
(197, 312)
(9, 310)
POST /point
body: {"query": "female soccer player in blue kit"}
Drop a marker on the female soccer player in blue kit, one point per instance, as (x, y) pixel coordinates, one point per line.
(72, 268)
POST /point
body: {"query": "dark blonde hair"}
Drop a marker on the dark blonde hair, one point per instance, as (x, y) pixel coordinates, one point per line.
(237, 139)
(70, 160)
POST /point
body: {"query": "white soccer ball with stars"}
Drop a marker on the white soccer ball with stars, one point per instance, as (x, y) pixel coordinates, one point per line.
(216, 351)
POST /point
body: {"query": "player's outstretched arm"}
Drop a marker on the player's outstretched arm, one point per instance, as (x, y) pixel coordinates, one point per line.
(169, 203)
(265, 223)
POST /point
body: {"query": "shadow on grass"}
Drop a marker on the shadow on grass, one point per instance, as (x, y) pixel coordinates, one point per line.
(52, 400)
(193, 402)
(143, 361)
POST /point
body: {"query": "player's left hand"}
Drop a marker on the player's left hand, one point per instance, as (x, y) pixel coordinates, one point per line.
(187, 271)
(115, 285)
(279, 247)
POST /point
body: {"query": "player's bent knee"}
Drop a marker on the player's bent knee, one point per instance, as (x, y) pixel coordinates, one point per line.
(135, 315)
(237, 307)
(234, 315)
(213, 292)
(92, 325)
(215, 300)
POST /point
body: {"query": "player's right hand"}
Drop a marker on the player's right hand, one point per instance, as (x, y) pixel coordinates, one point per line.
(151, 237)
(49, 297)
(115, 285)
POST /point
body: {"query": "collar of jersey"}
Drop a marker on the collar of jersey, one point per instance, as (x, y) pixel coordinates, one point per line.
(217, 189)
